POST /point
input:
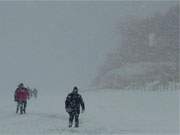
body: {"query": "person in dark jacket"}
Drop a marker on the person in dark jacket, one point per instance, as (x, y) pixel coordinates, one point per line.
(21, 96)
(72, 105)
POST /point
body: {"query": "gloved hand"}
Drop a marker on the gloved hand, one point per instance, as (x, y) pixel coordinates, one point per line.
(82, 111)
(68, 110)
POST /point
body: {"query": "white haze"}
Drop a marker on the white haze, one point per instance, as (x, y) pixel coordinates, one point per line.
(56, 45)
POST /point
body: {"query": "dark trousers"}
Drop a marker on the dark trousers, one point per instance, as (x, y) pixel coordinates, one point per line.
(74, 115)
(21, 105)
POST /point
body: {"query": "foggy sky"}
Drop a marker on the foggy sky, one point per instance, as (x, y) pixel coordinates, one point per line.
(56, 45)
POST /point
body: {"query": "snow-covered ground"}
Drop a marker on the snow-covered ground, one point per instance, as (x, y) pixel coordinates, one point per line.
(108, 112)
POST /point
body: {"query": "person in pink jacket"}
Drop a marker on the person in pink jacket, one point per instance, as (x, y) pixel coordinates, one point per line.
(21, 96)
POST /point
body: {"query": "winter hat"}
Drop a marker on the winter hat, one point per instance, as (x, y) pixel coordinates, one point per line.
(21, 85)
(75, 89)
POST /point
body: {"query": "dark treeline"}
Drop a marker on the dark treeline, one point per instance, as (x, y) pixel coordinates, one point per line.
(150, 44)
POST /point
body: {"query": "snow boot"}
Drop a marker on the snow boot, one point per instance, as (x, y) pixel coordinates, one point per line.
(24, 110)
(70, 124)
(76, 126)
(17, 109)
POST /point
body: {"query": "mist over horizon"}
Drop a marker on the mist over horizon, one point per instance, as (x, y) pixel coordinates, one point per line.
(58, 45)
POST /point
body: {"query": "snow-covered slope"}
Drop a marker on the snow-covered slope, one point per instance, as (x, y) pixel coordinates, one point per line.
(108, 112)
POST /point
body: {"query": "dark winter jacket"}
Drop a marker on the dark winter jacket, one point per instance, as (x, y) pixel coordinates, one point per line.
(73, 103)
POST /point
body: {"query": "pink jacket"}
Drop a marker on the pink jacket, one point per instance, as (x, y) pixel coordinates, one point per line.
(22, 94)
